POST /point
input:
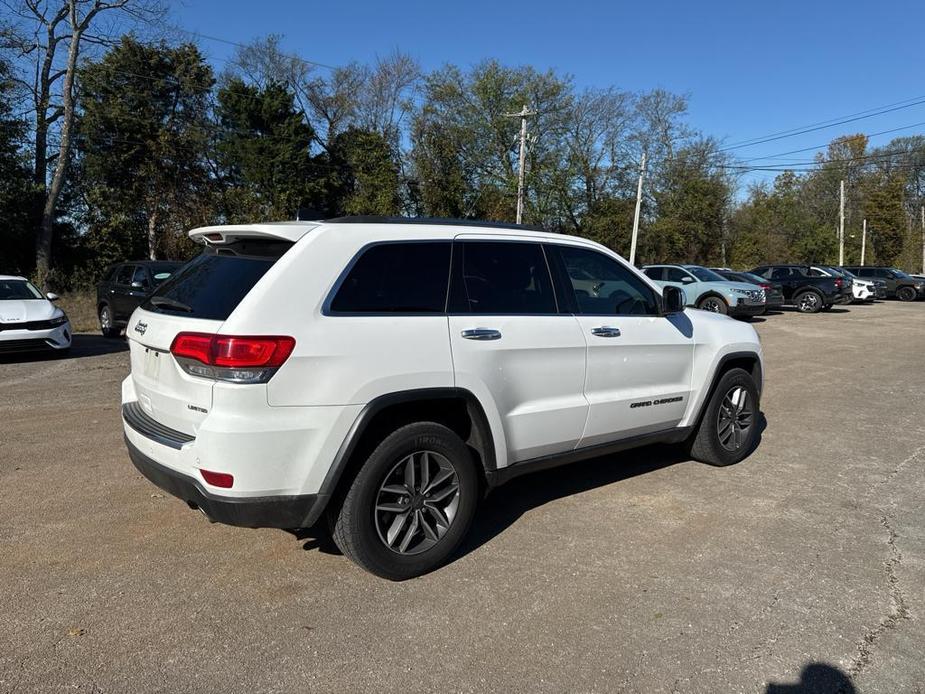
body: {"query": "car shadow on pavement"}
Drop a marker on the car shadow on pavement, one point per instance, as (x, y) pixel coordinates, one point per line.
(503, 506)
(816, 678)
(82, 345)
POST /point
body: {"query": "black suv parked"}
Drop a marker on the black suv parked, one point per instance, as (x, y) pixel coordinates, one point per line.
(124, 287)
(809, 294)
(904, 287)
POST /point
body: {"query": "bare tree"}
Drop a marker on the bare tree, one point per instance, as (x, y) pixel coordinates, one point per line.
(48, 37)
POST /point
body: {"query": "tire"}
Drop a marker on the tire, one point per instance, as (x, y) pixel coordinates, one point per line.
(363, 530)
(906, 294)
(711, 443)
(713, 304)
(106, 323)
(809, 301)
(827, 307)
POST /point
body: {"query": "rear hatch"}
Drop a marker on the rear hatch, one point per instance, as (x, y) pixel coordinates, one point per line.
(197, 298)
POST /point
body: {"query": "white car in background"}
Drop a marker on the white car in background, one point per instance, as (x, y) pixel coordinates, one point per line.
(29, 320)
(861, 290)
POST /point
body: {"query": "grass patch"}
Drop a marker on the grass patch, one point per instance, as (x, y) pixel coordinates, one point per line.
(80, 307)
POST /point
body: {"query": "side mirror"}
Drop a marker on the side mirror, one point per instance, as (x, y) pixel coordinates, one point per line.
(51, 296)
(687, 279)
(137, 285)
(673, 300)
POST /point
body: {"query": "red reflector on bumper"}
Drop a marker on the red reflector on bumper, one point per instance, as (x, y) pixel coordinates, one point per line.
(217, 479)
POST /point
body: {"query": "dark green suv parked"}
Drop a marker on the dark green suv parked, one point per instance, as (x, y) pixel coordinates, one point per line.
(898, 284)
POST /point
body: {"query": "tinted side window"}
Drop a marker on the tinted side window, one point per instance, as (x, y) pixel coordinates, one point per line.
(501, 277)
(124, 275)
(673, 274)
(397, 278)
(603, 286)
(140, 276)
(813, 272)
(654, 273)
(780, 273)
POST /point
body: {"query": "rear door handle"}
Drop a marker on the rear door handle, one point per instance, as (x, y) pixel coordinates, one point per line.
(606, 331)
(481, 334)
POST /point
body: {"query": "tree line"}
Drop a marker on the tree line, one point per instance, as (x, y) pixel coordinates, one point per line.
(144, 140)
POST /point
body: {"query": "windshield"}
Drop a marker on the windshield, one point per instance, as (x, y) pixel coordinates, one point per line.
(704, 275)
(162, 271)
(848, 273)
(18, 289)
(899, 273)
(756, 279)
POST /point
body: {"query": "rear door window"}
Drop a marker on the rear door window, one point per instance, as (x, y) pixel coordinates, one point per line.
(654, 273)
(140, 276)
(501, 277)
(124, 275)
(396, 278)
(213, 284)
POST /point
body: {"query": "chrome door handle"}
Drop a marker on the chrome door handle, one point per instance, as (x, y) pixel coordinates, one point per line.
(606, 331)
(481, 334)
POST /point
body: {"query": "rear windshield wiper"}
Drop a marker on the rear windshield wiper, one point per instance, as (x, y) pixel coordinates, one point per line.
(167, 302)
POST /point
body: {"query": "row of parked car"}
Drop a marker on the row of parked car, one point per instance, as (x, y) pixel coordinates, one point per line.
(808, 288)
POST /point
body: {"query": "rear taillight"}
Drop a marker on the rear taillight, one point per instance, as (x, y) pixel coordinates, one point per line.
(766, 287)
(838, 282)
(239, 359)
(218, 479)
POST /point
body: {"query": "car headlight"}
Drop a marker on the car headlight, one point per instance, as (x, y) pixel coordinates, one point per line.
(742, 292)
(58, 320)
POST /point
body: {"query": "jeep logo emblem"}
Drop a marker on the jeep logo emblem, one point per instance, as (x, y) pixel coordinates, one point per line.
(140, 328)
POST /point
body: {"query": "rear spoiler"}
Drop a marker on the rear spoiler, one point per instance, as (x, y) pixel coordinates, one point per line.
(228, 233)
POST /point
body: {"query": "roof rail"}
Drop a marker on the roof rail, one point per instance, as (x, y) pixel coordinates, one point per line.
(373, 219)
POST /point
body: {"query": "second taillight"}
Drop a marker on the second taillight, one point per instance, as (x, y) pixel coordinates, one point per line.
(234, 358)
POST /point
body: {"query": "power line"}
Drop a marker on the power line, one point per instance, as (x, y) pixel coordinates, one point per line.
(826, 122)
(803, 131)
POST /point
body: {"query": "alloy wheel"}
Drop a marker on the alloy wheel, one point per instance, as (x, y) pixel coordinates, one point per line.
(105, 318)
(417, 502)
(713, 305)
(735, 418)
(808, 302)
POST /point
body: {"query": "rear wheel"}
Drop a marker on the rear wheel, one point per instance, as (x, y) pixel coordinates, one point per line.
(729, 426)
(905, 294)
(808, 302)
(106, 323)
(411, 503)
(714, 304)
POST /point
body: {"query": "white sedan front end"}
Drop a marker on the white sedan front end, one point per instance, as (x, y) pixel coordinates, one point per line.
(29, 321)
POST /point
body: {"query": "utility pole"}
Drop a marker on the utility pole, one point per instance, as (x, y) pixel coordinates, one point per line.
(642, 173)
(841, 226)
(863, 241)
(922, 210)
(523, 115)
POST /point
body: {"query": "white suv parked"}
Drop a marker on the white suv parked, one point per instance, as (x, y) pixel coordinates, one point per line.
(384, 373)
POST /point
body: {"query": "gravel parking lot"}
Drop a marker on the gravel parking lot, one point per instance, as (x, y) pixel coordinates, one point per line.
(801, 569)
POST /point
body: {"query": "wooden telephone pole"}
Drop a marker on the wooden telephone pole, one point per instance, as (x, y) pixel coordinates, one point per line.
(523, 114)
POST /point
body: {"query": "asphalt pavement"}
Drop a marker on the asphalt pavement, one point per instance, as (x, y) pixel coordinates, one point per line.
(801, 569)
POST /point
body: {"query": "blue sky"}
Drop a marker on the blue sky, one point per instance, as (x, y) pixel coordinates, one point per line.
(749, 67)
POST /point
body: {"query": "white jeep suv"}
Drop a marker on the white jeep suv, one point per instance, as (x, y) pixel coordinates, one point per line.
(384, 373)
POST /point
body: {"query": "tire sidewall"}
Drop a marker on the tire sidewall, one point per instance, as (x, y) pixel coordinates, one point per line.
(731, 379)
(375, 556)
(906, 294)
(724, 307)
(797, 301)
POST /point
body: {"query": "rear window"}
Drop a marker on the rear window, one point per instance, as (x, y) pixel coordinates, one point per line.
(214, 283)
(397, 278)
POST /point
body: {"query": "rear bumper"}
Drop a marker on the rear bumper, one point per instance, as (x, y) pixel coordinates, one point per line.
(248, 512)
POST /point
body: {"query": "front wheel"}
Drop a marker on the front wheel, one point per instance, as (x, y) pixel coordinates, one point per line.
(106, 323)
(411, 503)
(906, 294)
(808, 302)
(714, 304)
(729, 427)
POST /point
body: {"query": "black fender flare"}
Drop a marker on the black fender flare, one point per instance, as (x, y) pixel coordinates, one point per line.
(348, 446)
